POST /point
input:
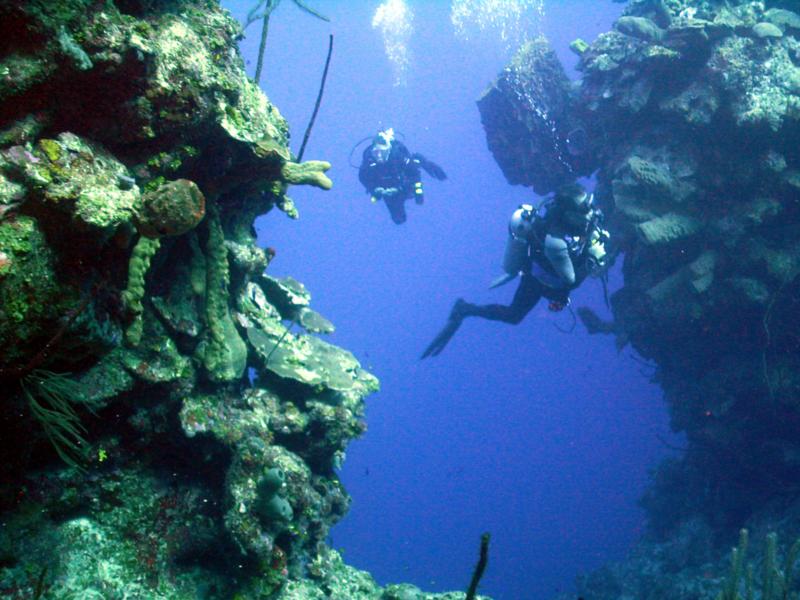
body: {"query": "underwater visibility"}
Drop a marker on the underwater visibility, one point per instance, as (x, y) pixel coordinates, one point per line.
(560, 244)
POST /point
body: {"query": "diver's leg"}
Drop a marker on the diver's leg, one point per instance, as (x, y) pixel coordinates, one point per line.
(397, 208)
(525, 298)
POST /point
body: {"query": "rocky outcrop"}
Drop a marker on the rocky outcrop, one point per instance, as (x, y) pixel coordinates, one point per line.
(530, 122)
(691, 115)
(165, 433)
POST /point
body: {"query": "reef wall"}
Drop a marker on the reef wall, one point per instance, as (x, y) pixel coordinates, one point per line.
(689, 113)
(164, 434)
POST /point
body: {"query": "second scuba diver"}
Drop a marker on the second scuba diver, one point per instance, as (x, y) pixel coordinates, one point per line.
(390, 173)
(552, 252)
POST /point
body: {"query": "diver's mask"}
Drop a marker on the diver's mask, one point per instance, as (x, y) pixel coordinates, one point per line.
(382, 145)
(380, 152)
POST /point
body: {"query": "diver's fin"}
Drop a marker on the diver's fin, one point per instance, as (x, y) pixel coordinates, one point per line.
(502, 280)
(439, 343)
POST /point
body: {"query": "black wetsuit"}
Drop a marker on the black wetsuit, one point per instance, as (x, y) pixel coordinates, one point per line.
(530, 290)
(399, 171)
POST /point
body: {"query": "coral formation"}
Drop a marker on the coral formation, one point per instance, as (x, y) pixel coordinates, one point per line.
(690, 110)
(200, 447)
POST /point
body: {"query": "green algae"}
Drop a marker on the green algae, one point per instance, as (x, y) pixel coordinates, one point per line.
(31, 297)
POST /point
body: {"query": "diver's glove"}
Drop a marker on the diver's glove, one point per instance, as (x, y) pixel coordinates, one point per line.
(558, 298)
(381, 193)
(439, 343)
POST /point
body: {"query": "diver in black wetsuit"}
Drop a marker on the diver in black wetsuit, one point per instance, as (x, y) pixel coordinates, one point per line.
(389, 172)
(553, 252)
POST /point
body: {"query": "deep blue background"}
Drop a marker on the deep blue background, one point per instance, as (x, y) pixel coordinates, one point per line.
(540, 437)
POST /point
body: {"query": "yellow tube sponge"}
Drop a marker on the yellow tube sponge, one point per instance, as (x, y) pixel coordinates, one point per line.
(311, 172)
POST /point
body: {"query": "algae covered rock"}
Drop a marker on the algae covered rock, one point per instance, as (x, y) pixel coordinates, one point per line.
(312, 362)
(76, 177)
(31, 297)
(697, 104)
(641, 28)
(762, 78)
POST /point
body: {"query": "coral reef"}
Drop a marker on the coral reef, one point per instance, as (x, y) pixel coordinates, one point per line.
(142, 342)
(689, 110)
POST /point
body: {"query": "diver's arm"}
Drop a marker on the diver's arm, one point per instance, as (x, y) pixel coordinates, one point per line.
(368, 175)
(430, 167)
(557, 253)
(400, 152)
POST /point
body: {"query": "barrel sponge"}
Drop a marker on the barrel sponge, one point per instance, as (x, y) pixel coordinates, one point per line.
(173, 208)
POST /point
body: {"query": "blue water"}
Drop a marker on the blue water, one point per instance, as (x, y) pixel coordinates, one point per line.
(540, 437)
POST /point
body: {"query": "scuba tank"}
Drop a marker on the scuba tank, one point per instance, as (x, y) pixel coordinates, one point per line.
(516, 257)
(520, 233)
(515, 260)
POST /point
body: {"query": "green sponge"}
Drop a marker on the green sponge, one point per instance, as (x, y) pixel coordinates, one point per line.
(272, 481)
(133, 295)
(225, 353)
(271, 507)
(275, 510)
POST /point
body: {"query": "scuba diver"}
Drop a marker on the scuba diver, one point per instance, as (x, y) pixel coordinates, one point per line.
(389, 172)
(553, 249)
